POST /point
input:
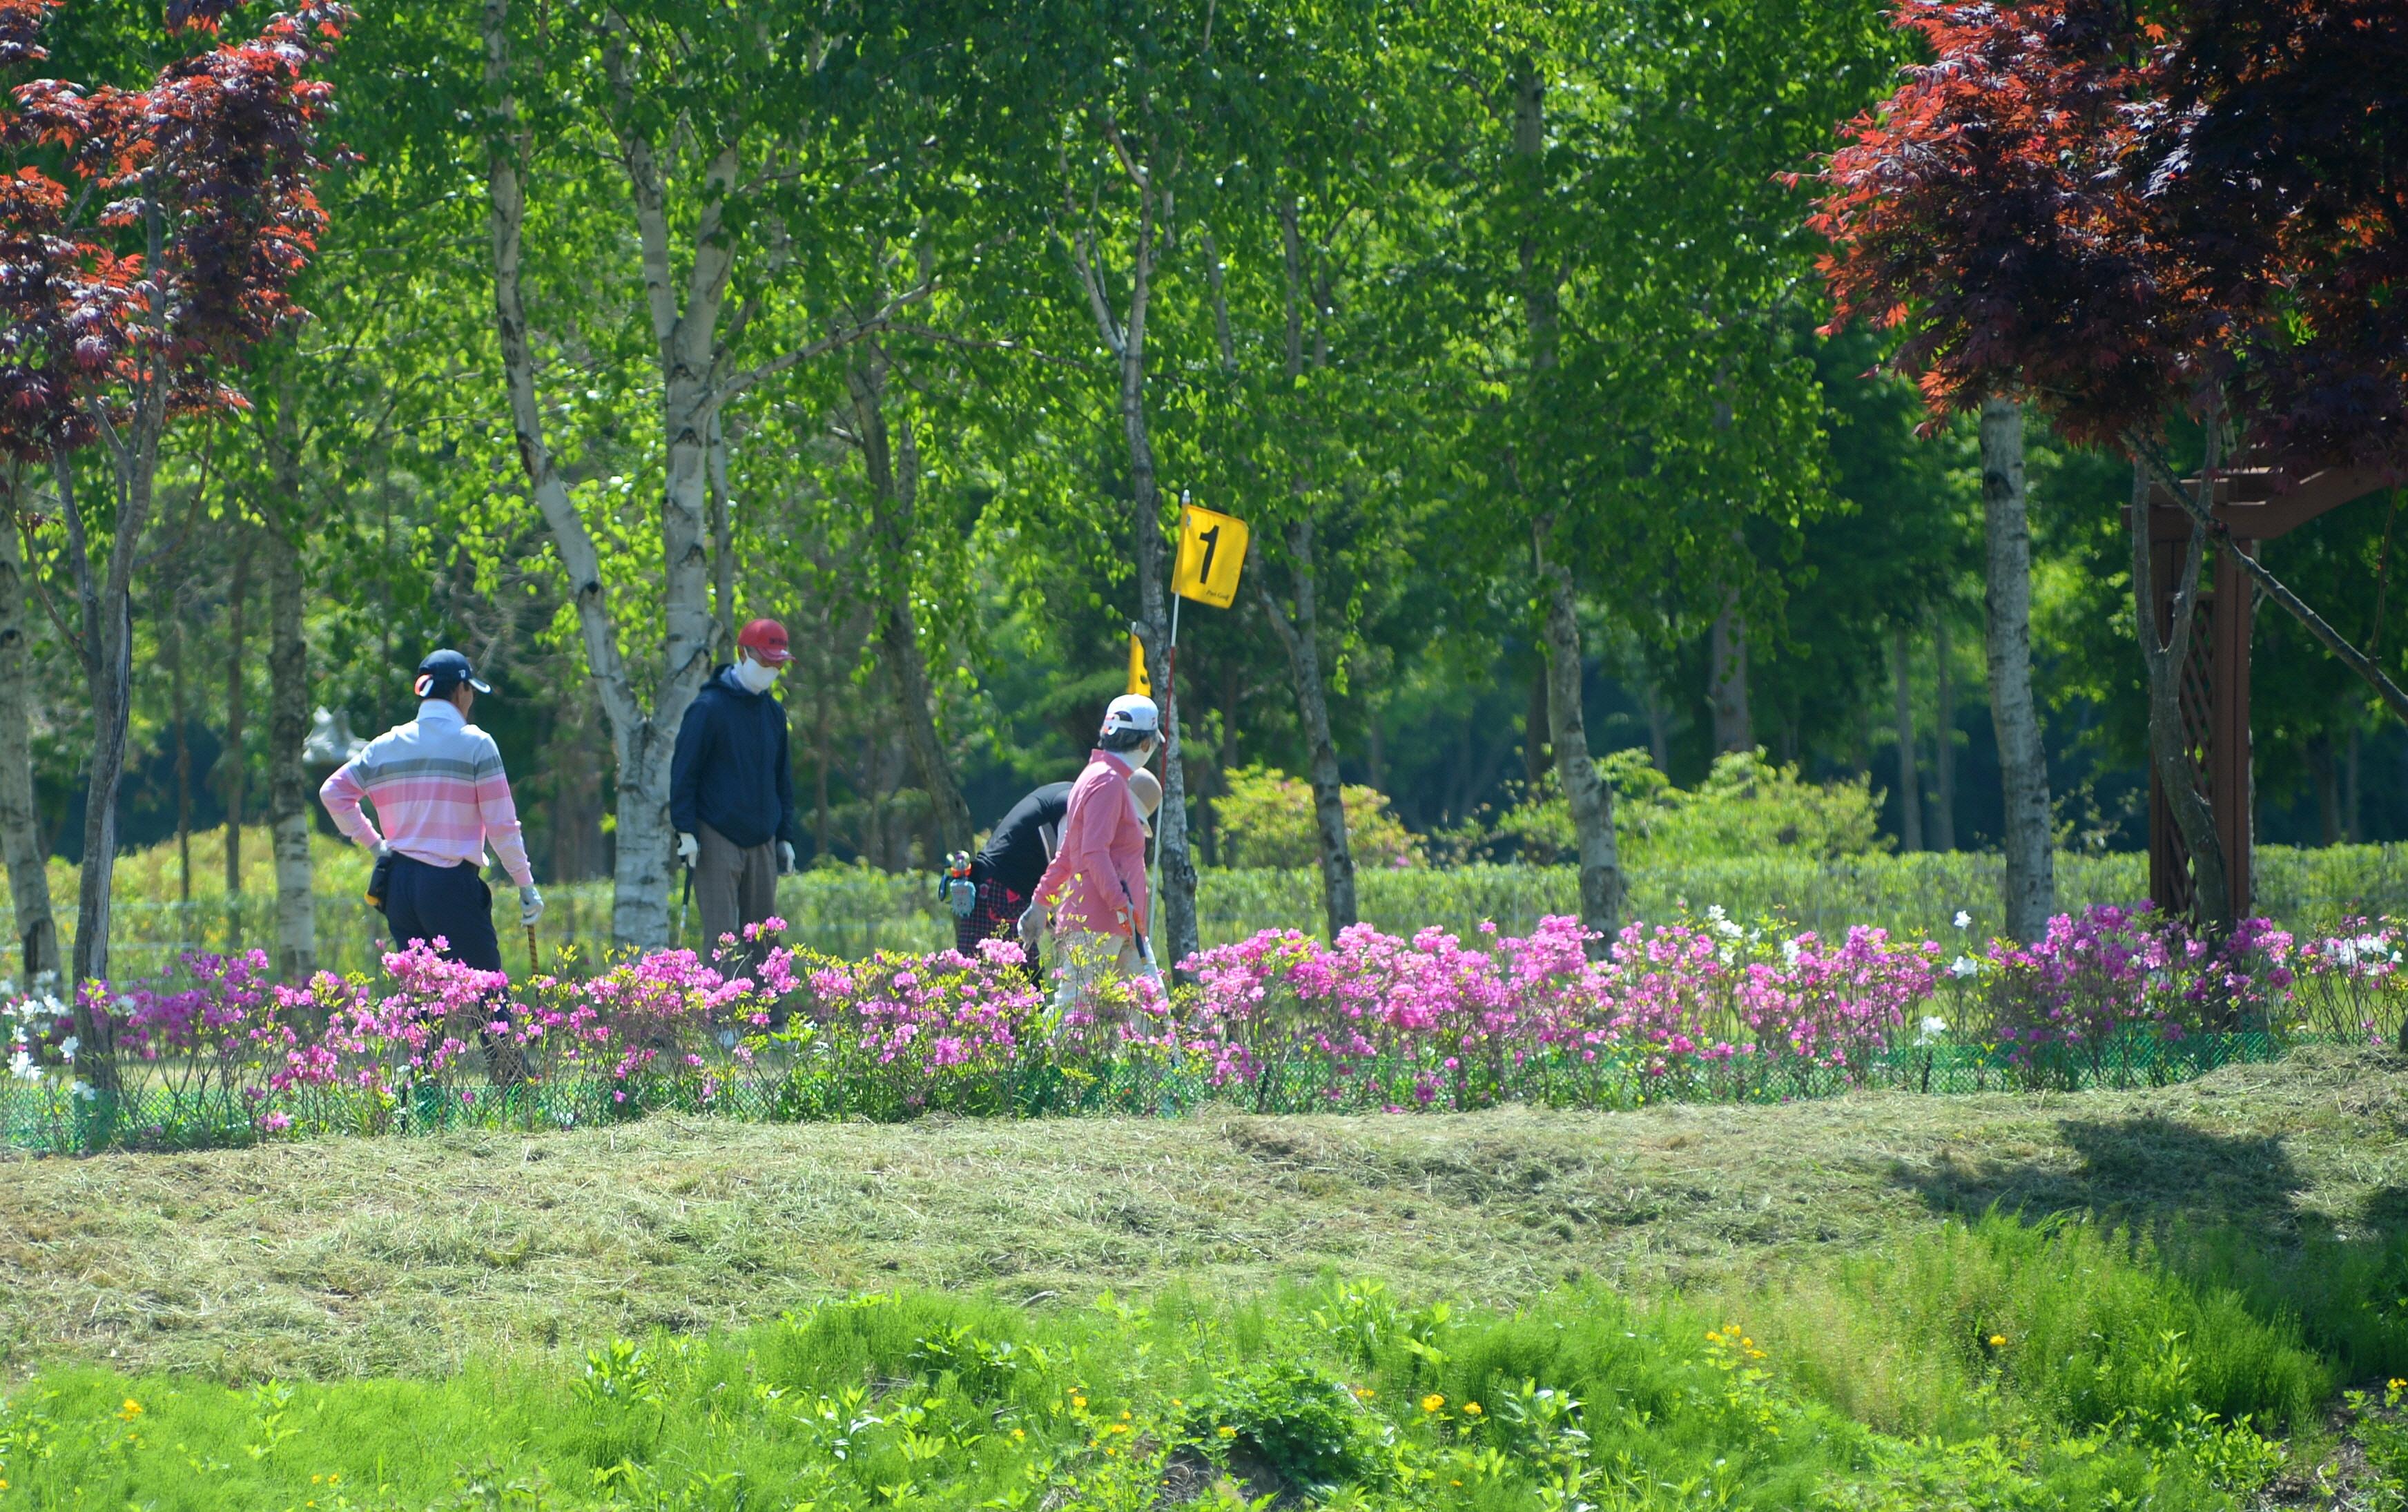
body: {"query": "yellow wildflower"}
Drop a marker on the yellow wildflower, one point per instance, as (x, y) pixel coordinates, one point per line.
(1225, 1431)
(1433, 1402)
(1079, 1402)
(1472, 1408)
(1998, 1341)
(131, 1410)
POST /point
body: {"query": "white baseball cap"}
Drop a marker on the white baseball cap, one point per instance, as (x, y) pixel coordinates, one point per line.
(1132, 711)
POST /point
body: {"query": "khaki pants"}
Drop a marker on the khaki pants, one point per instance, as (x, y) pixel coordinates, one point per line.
(734, 886)
(1083, 963)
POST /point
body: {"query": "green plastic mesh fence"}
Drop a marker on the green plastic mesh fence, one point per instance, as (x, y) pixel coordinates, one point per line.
(49, 1119)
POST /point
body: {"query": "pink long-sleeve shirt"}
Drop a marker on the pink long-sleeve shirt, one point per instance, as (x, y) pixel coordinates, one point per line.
(438, 787)
(1102, 850)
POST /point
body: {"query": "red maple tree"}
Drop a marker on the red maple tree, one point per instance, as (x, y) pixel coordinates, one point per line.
(2125, 214)
(149, 238)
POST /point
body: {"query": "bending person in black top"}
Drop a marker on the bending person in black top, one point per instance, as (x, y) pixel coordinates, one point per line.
(1006, 871)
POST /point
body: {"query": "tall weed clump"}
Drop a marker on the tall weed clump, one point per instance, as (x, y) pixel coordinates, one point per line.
(2079, 1325)
(2347, 1290)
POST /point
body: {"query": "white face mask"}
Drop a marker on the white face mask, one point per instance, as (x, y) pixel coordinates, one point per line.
(755, 677)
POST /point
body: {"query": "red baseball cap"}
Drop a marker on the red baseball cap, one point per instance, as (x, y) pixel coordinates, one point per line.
(767, 639)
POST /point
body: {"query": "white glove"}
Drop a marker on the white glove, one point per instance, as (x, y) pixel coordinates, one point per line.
(1032, 924)
(688, 848)
(785, 856)
(530, 904)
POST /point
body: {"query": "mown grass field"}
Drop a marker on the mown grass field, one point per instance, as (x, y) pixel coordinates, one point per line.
(435, 1300)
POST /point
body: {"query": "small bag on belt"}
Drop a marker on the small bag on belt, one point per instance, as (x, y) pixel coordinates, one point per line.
(380, 880)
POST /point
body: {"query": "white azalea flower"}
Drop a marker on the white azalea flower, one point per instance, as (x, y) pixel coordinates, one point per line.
(1929, 1031)
(67, 1048)
(1964, 966)
(1789, 951)
(1964, 920)
(21, 1066)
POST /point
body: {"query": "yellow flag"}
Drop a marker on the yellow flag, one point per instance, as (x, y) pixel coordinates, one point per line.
(1211, 554)
(1138, 681)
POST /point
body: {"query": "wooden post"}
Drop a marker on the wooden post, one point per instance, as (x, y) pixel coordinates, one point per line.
(2256, 504)
(2230, 787)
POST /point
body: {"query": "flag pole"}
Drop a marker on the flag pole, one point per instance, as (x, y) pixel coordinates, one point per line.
(1169, 695)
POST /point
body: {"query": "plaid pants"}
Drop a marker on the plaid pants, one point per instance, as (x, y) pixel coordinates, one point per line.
(995, 915)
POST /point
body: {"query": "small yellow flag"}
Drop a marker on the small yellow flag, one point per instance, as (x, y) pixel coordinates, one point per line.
(1211, 554)
(1138, 681)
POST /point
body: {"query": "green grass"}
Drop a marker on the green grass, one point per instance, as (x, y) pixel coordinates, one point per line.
(1336, 1392)
(2161, 1265)
(853, 911)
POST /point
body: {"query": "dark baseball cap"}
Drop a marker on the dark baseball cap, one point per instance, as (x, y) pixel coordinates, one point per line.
(443, 671)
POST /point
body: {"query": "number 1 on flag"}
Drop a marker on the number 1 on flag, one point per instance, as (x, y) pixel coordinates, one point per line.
(1211, 555)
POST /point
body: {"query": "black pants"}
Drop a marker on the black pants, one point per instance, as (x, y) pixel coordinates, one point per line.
(423, 902)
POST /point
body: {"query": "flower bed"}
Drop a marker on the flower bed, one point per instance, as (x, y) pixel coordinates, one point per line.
(1699, 1008)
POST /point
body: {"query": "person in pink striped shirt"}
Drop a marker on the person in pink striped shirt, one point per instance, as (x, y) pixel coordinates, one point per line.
(439, 789)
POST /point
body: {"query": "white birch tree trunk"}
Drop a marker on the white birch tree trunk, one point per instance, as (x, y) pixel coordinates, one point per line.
(1301, 635)
(232, 773)
(1125, 337)
(1909, 796)
(2029, 840)
(643, 739)
(1726, 677)
(1943, 765)
(106, 603)
(1591, 801)
(29, 882)
(890, 455)
(288, 789)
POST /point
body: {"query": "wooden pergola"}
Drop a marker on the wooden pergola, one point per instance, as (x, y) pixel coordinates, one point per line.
(2216, 680)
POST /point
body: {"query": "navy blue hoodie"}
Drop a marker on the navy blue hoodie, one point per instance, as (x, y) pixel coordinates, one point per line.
(731, 770)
